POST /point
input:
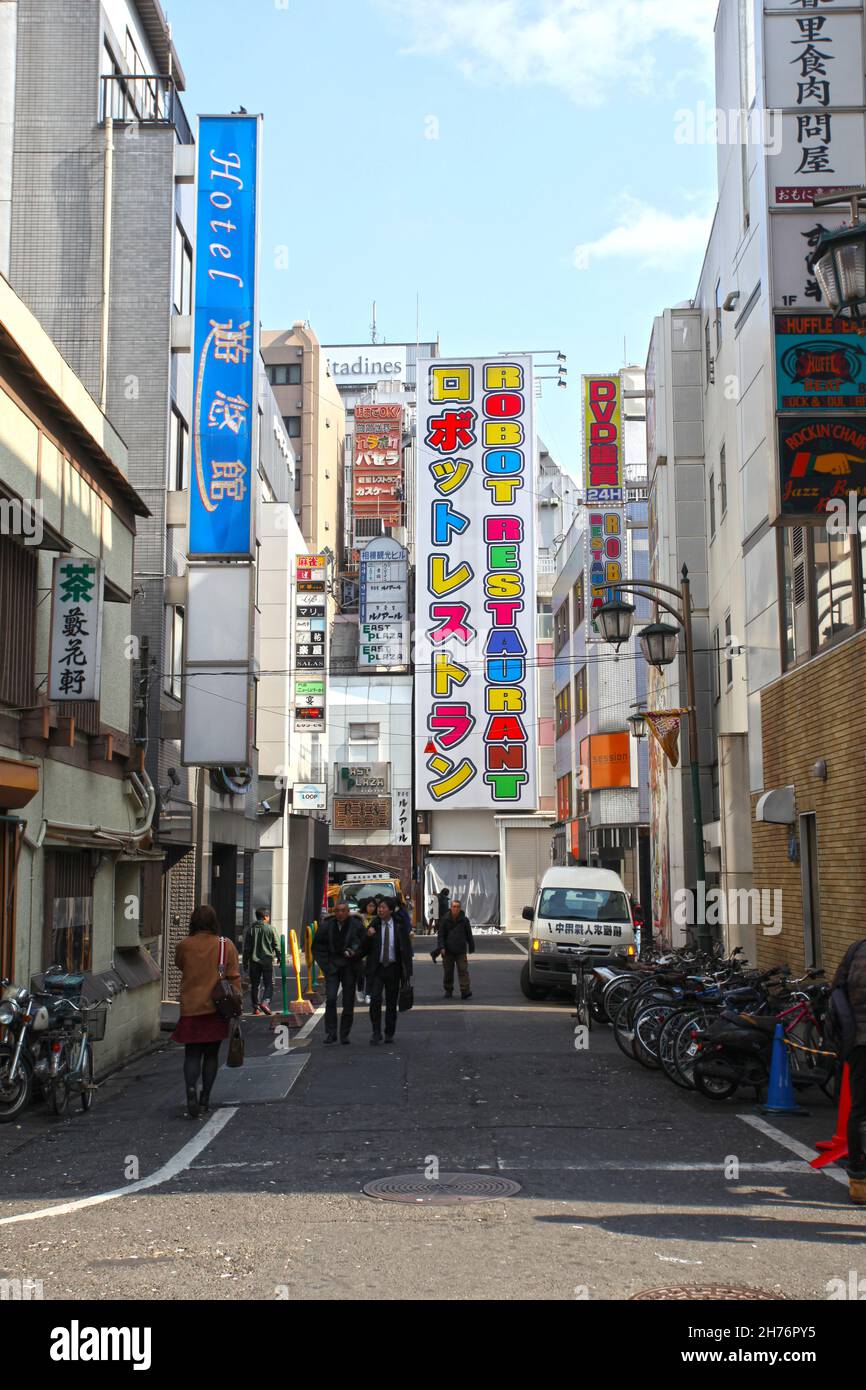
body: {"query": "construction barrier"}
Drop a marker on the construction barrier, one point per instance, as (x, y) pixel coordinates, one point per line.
(300, 1005)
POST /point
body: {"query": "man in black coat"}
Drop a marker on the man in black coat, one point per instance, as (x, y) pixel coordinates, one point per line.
(338, 946)
(456, 944)
(389, 950)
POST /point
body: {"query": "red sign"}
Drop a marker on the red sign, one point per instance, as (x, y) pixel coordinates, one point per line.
(377, 480)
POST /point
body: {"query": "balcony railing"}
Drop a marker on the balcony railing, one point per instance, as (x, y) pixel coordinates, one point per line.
(146, 99)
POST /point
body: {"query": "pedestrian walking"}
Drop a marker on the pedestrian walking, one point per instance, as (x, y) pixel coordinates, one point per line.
(202, 958)
(261, 952)
(390, 946)
(456, 944)
(850, 979)
(366, 965)
(338, 948)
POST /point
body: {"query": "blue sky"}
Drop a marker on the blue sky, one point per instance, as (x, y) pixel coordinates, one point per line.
(552, 208)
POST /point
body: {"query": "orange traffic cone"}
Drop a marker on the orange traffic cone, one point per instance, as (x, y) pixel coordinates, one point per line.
(837, 1147)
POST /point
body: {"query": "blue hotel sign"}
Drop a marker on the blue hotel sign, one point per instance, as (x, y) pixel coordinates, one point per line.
(225, 409)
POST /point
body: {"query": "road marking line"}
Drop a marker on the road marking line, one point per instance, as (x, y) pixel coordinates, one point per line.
(636, 1166)
(522, 949)
(793, 1146)
(181, 1160)
(310, 1024)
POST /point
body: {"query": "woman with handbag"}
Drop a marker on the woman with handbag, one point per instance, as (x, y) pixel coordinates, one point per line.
(210, 997)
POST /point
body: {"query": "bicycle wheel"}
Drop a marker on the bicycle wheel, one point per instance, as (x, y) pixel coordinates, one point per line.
(622, 1031)
(667, 1046)
(85, 1074)
(647, 1028)
(809, 1067)
(685, 1047)
(57, 1086)
(616, 993)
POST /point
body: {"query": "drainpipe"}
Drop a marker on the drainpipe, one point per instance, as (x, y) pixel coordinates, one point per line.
(146, 795)
(107, 192)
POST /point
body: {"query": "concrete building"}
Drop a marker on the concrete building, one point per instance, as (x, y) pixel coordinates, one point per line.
(779, 599)
(601, 772)
(79, 879)
(314, 419)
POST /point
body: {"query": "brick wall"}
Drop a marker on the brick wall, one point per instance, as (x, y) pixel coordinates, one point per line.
(817, 712)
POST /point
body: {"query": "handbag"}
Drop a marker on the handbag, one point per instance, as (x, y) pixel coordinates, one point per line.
(237, 1045)
(406, 997)
(224, 998)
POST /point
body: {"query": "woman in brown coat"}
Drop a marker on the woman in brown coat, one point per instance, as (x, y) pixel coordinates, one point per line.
(200, 1028)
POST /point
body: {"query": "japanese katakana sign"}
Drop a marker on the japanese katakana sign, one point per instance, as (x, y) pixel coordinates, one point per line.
(226, 340)
(475, 712)
(76, 628)
(377, 477)
(383, 629)
(310, 649)
(605, 562)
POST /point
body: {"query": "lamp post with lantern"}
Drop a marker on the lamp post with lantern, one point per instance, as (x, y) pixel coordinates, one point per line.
(659, 643)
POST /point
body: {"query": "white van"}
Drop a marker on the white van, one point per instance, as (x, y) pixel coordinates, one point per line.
(577, 913)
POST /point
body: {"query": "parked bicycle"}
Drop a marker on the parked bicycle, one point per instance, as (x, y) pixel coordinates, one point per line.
(46, 1039)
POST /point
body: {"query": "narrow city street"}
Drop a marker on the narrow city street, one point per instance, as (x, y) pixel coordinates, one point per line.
(622, 1184)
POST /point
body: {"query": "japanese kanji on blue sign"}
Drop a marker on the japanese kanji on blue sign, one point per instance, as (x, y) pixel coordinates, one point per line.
(226, 339)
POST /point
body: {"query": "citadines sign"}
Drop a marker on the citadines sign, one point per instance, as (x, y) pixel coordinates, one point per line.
(365, 364)
(602, 439)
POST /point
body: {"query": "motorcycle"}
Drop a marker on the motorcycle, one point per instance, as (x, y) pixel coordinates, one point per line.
(29, 1022)
(735, 1051)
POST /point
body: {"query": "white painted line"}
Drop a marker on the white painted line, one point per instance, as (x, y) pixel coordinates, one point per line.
(795, 1147)
(310, 1024)
(627, 1166)
(522, 949)
(181, 1160)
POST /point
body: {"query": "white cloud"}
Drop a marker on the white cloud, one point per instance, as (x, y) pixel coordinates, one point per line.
(585, 48)
(649, 237)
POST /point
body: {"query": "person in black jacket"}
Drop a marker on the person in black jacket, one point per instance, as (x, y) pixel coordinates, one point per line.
(389, 949)
(338, 946)
(456, 944)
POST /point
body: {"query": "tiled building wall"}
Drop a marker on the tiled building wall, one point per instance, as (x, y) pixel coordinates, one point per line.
(816, 712)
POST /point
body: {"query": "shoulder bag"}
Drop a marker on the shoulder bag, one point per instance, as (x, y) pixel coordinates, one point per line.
(224, 998)
(237, 1045)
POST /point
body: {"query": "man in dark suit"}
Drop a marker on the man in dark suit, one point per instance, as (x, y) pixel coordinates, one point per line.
(389, 950)
(338, 947)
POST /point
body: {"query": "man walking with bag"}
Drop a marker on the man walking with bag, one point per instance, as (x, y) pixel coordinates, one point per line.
(456, 944)
(389, 944)
(337, 948)
(261, 949)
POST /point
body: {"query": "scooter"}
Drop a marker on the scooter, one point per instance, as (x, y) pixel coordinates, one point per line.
(27, 1021)
(735, 1051)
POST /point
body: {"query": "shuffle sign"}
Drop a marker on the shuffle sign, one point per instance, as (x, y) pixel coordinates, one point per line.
(226, 340)
(475, 681)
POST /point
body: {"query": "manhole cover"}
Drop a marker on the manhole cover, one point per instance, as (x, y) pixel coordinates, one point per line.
(727, 1293)
(449, 1189)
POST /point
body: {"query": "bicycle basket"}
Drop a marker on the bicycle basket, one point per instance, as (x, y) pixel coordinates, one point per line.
(95, 1017)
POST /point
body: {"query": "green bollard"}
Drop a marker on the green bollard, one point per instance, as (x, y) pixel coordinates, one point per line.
(283, 973)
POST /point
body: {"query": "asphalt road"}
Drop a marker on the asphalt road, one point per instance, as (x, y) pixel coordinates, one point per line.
(623, 1184)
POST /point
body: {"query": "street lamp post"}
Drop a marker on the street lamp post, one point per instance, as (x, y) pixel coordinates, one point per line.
(659, 645)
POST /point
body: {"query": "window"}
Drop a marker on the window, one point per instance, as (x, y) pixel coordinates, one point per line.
(578, 593)
(178, 452)
(563, 711)
(68, 909)
(834, 587)
(363, 733)
(729, 660)
(544, 626)
(293, 374)
(718, 314)
(708, 354)
(563, 797)
(284, 373)
(717, 665)
(560, 627)
(580, 703)
(173, 661)
(18, 579)
(723, 481)
(182, 292)
(712, 505)
(293, 426)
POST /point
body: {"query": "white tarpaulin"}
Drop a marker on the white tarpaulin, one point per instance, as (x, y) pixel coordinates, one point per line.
(473, 879)
(475, 596)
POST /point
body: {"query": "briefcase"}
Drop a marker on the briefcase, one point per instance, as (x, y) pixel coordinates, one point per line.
(407, 997)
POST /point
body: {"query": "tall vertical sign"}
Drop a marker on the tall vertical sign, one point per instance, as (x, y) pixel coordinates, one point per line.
(603, 469)
(814, 73)
(310, 661)
(76, 628)
(475, 600)
(377, 477)
(226, 340)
